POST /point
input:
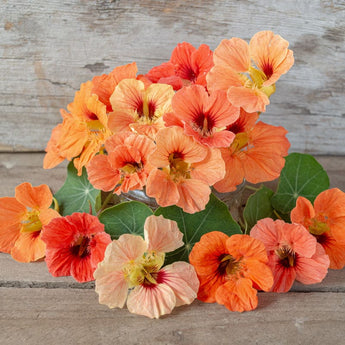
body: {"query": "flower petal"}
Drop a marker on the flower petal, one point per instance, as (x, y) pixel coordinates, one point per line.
(182, 279)
(111, 286)
(162, 235)
(34, 197)
(237, 295)
(151, 301)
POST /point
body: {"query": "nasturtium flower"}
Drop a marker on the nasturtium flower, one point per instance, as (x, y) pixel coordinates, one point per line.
(75, 245)
(22, 219)
(293, 253)
(250, 85)
(202, 116)
(125, 167)
(184, 171)
(256, 154)
(230, 270)
(326, 221)
(132, 271)
(104, 85)
(139, 107)
(83, 131)
(186, 66)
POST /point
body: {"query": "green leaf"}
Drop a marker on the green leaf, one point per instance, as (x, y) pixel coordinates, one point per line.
(215, 217)
(125, 218)
(302, 175)
(77, 193)
(258, 207)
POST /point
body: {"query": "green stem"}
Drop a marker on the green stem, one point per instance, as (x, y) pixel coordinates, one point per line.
(105, 203)
(277, 214)
(251, 188)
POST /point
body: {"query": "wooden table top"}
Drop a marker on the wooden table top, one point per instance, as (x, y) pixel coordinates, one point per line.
(36, 308)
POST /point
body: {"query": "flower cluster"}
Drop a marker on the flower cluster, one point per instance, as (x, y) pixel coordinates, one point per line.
(187, 127)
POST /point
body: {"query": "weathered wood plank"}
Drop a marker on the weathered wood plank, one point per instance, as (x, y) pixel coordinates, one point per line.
(49, 48)
(59, 316)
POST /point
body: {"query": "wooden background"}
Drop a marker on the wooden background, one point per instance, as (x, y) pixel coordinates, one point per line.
(47, 48)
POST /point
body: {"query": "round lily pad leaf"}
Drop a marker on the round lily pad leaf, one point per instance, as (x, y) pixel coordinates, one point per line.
(303, 176)
(77, 193)
(125, 218)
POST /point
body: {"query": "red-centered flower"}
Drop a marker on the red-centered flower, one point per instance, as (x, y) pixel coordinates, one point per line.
(187, 65)
(125, 167)
(256, 154)
(184, 171)
(231, 269)
(139, 108)
(293, 253)
(202, 116)
(326, 221)
(247, 86)
(75, 245)
(21, 221)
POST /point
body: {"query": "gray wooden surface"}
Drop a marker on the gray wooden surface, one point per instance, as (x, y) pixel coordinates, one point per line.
(47, 48)
(36, 308)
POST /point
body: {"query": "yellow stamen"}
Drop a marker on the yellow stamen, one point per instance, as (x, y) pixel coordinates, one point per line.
(31, 223)
(317, 228)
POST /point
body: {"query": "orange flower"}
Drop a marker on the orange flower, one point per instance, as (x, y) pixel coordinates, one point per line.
(202, 116)
(293, 254)
(139, 108)
(247, 86)
(104, 85)
(187, 65)
(83, 131)
(256, 154)
(184, 171)
(230, 269)
(125, 167)
(21, 221)
(326, 221)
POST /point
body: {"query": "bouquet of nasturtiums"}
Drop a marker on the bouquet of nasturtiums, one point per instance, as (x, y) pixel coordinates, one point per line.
(181, 137)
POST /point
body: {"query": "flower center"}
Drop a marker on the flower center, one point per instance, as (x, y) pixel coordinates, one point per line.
(203, 124)
(145, 270)
(31, 223)
(131, 168)
(286, 256)
(240, 142)
(317, 227)
(178, 167)
(228, 265)
(146, 110)
(81, 247)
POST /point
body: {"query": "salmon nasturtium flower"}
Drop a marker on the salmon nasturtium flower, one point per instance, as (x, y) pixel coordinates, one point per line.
(104, 85)
(248, 86)
(230, 270)
(326, 221)
(21, 221)
(139, 108)
(293, 253)
(75, 245)
(132, 270)
(83, 131)
(125, 167)
(202, 116)
(187, 66)
(184, 171)
(256, 154)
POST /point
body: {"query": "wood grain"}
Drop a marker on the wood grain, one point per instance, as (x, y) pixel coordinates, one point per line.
(47, 48)
(72, 316)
